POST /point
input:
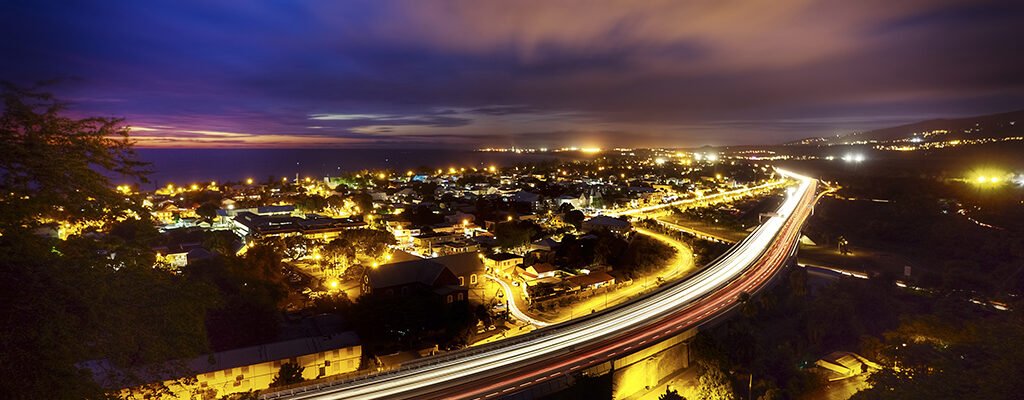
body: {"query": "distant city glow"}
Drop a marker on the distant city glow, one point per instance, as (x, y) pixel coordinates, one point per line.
(989, 178)
(854, 158)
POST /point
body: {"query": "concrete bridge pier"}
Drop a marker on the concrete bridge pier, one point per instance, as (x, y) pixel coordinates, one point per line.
(638, 372)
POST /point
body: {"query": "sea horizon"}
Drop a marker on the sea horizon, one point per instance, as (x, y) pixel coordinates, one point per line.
(193, 165)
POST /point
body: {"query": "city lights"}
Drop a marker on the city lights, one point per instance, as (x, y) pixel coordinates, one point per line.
(989, 178)
(620, 194)
(854, 158)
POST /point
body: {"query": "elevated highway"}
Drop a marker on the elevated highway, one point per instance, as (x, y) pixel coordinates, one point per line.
(515, 364)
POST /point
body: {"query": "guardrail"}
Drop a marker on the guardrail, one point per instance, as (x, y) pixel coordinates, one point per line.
(468, 353)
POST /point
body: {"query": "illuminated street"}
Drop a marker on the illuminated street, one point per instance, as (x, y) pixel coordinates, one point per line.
(778, 233)
(515, 200)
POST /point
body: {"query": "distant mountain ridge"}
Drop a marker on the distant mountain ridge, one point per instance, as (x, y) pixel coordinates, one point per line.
(1000, 125)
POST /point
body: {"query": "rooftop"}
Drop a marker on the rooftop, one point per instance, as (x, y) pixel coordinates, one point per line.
(503, 256)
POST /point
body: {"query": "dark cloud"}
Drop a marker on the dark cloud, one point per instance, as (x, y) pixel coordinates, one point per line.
(524, 73)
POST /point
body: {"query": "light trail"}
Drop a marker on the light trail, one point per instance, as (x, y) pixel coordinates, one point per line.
(711, 197)
(511, 301)
(498, 368)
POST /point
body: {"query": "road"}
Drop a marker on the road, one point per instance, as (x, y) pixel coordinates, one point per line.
(710, 197)
(504, 367)
(512, 307)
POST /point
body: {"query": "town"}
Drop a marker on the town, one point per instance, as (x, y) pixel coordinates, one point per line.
(391, 266)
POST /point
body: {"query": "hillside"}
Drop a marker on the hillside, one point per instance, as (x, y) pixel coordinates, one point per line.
(996, 126)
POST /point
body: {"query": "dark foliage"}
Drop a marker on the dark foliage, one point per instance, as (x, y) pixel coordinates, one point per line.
(406, 322)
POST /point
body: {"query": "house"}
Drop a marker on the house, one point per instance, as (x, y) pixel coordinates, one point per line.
(468, 267)
(525, 197)
(589, 281)
(281, 210)
(327, 229)
(839, 365)
(604, 222)
(429, 241)
(457, 247)
(242, 370)
(574, 201)
(546, 244)
(181, 255)
(539, 270)
(460, 218)
(248, 223)
(406, 192)
(503, 264)
(395, 360)
(408, 277)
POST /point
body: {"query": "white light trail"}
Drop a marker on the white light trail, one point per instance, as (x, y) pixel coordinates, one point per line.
(559, 340)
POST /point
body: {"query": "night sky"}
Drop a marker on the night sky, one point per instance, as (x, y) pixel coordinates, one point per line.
(526, 73)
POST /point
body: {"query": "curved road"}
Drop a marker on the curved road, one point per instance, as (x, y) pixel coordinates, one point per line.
(516, 312)
(510, 365)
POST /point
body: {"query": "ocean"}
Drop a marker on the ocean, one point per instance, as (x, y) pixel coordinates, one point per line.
(186, 166)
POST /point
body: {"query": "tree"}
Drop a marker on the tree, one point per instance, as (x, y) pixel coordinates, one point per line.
(412, 320)
(250, 290)
(309, 203)
(671, 394)
(771, 394)
(364, 201)
(574, 218)
(207, 210)
(646, 254)
(295, 247)
(69, 301)
(55, 168)
(289, 374)
(370, 242)
(979, 359)
(514, 234)
(339, 252)
(221, 242)
(713, 383)
(246, 395)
